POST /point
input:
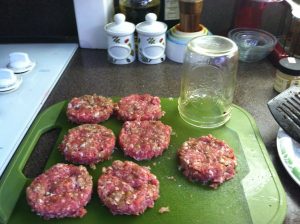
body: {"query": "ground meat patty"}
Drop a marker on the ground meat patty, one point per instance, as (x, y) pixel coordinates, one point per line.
(62, 191)
(127, 188)
(89, 109)
(143, 140)
(88, 144)
(208, 160)
(139, 107)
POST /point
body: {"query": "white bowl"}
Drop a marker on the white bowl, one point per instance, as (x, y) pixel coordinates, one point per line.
(254, 44)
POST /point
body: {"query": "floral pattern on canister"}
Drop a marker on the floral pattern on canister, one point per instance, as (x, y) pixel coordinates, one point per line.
(151, 40)
(119, 42)
(151, 50)
(143, 58)
(116, 39)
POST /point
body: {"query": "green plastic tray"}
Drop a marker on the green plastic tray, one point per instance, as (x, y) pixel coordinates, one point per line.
(254, 195)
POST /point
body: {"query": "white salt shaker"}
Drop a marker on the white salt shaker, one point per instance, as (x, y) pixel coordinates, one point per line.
(120, 37)
(151, 40)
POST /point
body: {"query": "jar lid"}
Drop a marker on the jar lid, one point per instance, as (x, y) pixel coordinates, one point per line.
(290, 66)
(150, 26)
(119, 27)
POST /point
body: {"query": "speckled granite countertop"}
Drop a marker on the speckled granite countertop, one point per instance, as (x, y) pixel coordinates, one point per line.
(89, 72)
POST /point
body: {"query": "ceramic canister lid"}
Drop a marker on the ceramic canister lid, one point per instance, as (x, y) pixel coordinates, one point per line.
(151, 26)
(119, 27)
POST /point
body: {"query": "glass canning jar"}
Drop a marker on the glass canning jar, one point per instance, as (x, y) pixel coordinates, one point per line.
(208, 81)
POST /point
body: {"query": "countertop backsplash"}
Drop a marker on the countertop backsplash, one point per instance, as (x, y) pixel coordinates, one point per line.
(54, 20)
(37, 21)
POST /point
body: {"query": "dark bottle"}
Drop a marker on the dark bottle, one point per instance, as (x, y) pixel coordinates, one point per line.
(169, 12)
(136, 10)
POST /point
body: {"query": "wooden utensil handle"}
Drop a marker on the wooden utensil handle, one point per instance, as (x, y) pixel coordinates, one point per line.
(190, 12)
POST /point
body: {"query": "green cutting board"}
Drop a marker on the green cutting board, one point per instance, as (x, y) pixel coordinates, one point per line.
(254, 195)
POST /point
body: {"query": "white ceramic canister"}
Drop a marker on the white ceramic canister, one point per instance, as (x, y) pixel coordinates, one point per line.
(120, 37)
(151, 40)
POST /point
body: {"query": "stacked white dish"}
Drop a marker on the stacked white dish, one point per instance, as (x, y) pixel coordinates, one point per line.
(177, 41)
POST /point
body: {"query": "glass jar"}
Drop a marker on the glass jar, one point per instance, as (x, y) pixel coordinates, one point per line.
(287, 74)
(136, 10)
(208, 81)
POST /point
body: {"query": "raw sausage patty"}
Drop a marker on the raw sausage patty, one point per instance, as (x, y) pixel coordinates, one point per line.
(127, 188)
(61, 191)
(143, 140)
(89, 109)
(88, 144)
(207, 160)
(139, 107)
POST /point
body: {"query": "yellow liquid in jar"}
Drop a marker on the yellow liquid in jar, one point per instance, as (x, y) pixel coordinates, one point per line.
(206, 96)
(205, 112)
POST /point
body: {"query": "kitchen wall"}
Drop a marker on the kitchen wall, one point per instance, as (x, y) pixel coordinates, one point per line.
(37, 20)
(54, 20)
